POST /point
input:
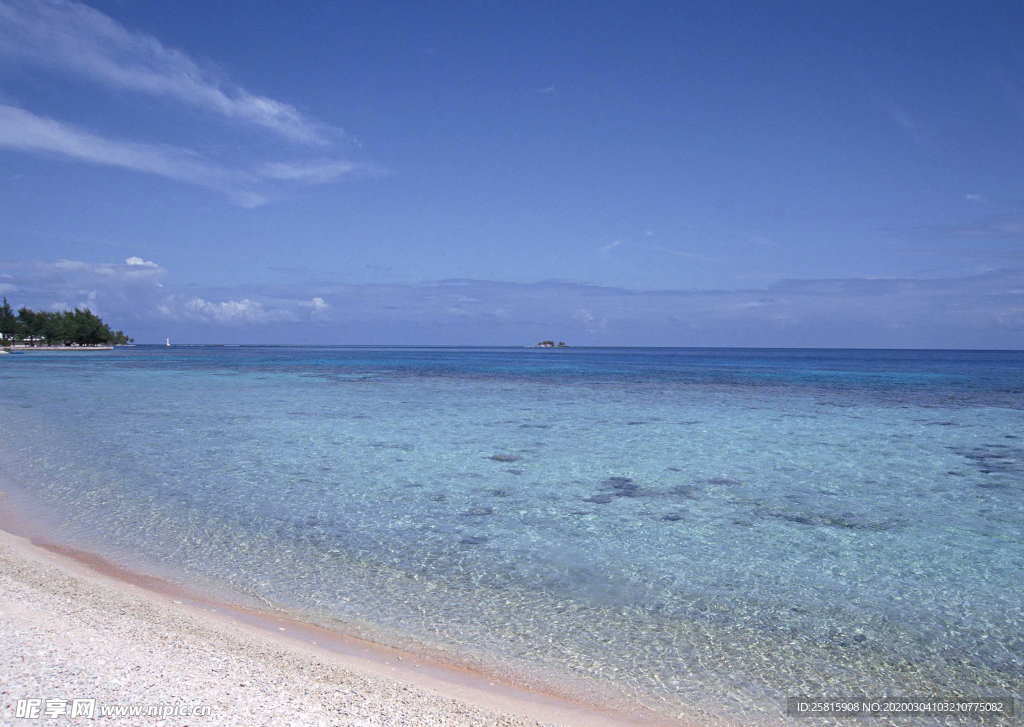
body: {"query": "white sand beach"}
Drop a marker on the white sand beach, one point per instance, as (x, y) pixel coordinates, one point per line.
(68, 631)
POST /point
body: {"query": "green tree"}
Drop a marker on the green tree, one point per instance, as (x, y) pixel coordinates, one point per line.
(10, 329)
(80, 327)
(51, 327)
(31, 325)
(87, 327)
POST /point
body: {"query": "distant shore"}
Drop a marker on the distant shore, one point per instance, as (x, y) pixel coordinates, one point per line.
(21, 349)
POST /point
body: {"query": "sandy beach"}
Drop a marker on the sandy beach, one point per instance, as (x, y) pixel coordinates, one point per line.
(71, 632)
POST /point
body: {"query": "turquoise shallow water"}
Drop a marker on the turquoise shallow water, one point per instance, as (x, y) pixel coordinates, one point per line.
(715, 529)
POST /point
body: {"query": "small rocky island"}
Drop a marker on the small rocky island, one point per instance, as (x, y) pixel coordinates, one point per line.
(551, 344)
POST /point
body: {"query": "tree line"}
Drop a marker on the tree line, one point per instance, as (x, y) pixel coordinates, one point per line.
(70, 327)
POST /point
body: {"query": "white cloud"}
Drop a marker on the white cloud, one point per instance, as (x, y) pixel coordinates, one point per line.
(22, 130)
(610, 246)
(139, 262)
(317, 304)
(229, 312)
(973, 197)
(74, 39)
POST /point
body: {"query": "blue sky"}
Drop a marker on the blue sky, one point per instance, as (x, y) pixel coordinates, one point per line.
(737, 174)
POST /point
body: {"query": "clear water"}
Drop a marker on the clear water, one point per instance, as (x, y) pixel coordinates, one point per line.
(701, 529)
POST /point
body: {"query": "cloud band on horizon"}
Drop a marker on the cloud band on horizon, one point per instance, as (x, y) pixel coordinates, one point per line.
(980, 310)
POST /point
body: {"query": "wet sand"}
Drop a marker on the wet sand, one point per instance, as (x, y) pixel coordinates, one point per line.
(75, 626)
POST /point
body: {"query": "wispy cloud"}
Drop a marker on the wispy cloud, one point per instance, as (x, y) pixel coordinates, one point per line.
(895, 112)
(681, 253)
(53, 276)
(999, 226)
(655, 248)
(899, 116)
(76, 40)
(22, 130)
(79, 42)
(319, 172)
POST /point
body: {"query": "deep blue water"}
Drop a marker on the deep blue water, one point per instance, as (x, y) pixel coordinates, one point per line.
(709, 528)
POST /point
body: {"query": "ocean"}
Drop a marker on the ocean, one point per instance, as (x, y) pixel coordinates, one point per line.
(703, 531)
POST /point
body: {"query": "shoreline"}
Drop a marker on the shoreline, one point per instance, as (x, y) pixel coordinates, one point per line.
(35, 569)
(31, 349)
